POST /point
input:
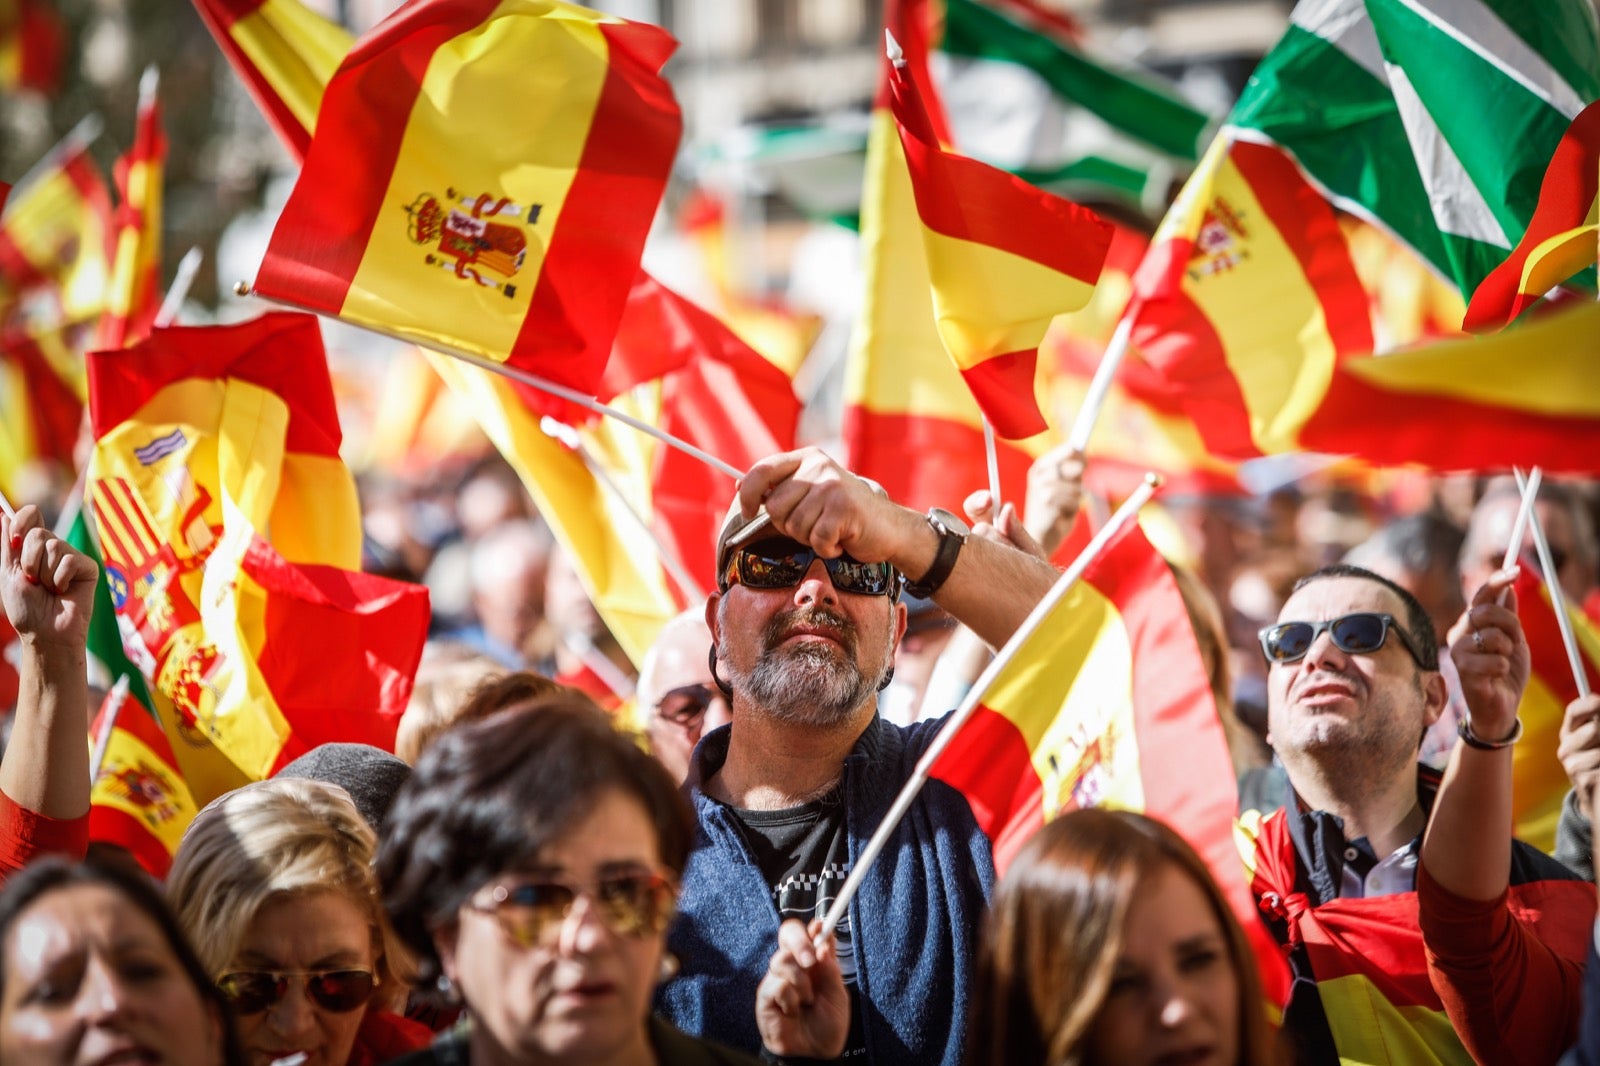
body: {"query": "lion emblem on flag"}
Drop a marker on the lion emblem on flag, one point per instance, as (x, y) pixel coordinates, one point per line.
(480, 238)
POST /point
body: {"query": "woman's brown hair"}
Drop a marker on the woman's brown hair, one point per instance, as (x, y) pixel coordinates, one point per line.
(1054, 932)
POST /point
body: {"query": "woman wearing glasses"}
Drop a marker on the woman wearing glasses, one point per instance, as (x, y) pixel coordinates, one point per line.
(273, 884)
(93, 968)
(532, 864)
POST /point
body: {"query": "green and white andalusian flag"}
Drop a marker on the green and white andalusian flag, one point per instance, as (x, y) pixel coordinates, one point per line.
(1433, 118)
(1022, 94)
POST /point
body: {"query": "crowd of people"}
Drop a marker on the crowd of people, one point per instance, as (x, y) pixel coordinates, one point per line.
(567, 862)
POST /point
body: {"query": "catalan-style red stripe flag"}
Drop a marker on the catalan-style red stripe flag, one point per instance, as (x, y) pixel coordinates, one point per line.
(134, 295)
(461, 195)
(54, 236)
(285, 54)
(1003, 257)
(910, 421)
(1109, 705)
(1562, 238)
(1250, 306)
(210, 441)
(1539, 784)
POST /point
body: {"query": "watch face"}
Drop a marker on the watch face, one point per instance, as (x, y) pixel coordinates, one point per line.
(939, 516)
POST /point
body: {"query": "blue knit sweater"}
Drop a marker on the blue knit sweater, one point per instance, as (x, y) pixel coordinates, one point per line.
(915, 919)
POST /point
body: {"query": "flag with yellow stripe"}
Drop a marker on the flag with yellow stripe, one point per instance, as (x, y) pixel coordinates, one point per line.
(1003, 257)
(134, 295)
(140, 800)
(482, 178)
(55, 234)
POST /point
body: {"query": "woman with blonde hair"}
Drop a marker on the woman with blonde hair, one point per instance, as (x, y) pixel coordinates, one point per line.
(274, 885)
(1108, 942)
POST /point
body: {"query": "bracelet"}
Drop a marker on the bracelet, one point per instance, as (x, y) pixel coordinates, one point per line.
(1473, 740)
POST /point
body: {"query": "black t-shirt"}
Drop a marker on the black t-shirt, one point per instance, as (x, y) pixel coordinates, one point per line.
(804, 855)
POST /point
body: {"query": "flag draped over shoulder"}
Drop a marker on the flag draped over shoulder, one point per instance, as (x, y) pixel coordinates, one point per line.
(1539, 784)
(134, 297)
(1108, 705)
(285, 53)
(910, 422)
(1562, 238)
(231, 536)
(1003, 259)
(1432, 117)
(450, 197)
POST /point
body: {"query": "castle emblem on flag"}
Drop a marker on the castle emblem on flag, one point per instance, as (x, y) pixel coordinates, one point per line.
(1219, 246)
(477, 238)
(1081, 769)
(144, 790)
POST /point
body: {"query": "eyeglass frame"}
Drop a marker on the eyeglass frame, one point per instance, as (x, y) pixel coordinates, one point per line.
(732, 572)
(281, 989)
(679, 718)
(500, 898)
(1390, 624)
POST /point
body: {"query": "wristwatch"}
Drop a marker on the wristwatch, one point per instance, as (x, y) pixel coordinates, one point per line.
(952, 534)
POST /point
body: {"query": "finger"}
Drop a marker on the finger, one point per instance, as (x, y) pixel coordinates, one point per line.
(1018, 533)
(758, 484)
(796, 941)
(978, 507)
(1498, 582)
(72, 568)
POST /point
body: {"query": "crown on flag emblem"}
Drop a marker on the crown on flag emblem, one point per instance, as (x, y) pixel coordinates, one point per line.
(480, 239)
(1219, 245)
(145, 790)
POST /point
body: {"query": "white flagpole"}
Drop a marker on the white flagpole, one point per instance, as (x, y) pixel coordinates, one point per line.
(674, 565)
(952, 726)
(188, 267)
(1558, 598)
(992, 455)
(108, 724)
(1100, 386)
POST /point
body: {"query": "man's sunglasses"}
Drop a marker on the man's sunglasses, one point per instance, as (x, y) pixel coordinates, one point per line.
(1362, 633)
(782, 564)
(633, 904)
(339, 991)
(686, 704)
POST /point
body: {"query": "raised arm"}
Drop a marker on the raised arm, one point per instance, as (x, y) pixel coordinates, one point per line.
(816, 501)
(48, 591)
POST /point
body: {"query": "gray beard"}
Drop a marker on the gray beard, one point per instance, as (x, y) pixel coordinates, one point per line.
(807, 684)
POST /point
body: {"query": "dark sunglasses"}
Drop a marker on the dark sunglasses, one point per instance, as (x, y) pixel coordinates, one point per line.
(686, 704)
(1362, 633)
(634, 904)
(782, 564)
(340, 991)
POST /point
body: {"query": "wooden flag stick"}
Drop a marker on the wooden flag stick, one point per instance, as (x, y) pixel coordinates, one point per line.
(980, 689)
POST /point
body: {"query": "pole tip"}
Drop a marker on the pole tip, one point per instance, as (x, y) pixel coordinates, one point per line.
(241, 288)
(1153, 479)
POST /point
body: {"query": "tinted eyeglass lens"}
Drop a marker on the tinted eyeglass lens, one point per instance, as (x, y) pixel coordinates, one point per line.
(252, 993)
(1289, 641)
(339, 991)
(772, 567)
(1359, 634)
(628, 904)
(1356, 634)
(871, 579)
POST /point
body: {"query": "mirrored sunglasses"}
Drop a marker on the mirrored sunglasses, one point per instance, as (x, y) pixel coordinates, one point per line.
(632, 904)
(340, 991)
(1361, 633)
(782, 564)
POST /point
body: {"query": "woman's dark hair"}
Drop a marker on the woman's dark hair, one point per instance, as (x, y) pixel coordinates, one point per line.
(1053, 934)
(488, 796)
(49, 874)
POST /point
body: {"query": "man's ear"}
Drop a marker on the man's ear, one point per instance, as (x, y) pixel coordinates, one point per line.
(901, 616)
(1436, 694)
(712, 622)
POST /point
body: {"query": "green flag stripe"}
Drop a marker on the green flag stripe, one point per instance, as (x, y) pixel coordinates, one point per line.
(1137, 105)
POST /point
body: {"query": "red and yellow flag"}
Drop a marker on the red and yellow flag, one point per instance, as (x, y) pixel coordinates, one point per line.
(231, 537)
(482, 178)
(140, 800)
(1562, 238)
(32, 44)
(1539, 784)
(285, 54)
(41, 414)
(1108, 705)
(134, 295)
(1003, 257)
(910, 422)
(54, 237)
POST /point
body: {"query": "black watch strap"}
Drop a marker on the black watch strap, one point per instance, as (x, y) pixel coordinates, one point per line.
(952, 535)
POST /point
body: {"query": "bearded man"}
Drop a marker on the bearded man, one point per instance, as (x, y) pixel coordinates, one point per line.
(804, 626)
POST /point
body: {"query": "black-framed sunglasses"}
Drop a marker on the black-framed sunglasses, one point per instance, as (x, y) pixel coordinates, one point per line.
(782, 564)
(1360, 633)
(340, 991)
(628, 904)
(686, 704)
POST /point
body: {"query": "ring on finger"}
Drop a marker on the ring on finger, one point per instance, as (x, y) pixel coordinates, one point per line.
(1477, 639)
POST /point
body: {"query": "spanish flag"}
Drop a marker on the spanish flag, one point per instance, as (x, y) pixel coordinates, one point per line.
(1563, 236)
(482, 178)
(285, 53)
(910, 421)
(1539, 784)
(1108, 705)
(55, 233)
(32, 43)
(134, 295)
(41, 412)
(1003, 257)
(139, 800)
(208, 442)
